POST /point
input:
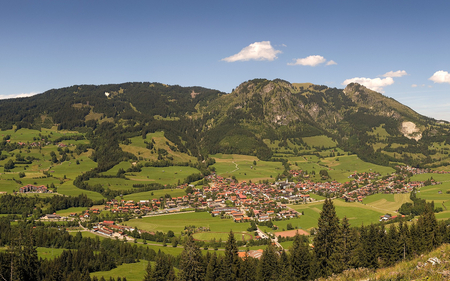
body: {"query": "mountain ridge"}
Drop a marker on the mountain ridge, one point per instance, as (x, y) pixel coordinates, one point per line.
(203, 121)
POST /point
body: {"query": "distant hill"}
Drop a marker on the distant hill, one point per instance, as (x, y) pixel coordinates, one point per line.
(259, 117)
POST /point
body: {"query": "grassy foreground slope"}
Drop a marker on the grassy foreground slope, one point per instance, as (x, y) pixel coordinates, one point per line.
(416, 269)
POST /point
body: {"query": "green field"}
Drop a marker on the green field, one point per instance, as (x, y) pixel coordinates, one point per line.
(67, 212)
(356, 213)
(208, 236)
(132, 271)
(177, 222)
(319, 141)
(139, 148)
(70, 190)
(27, 135)
(302, 222)
(388, 203)
(48, 253)
(154, 194)
(241, 166)
(162, 175)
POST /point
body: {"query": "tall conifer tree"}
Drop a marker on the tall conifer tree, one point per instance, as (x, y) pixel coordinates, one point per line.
(192, 266)
(326, 239)
(300, 259)
(231, 259)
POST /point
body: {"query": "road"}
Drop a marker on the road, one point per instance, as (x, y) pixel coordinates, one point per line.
(265, 236)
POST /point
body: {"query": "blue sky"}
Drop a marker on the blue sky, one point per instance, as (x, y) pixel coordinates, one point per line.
(400, 48)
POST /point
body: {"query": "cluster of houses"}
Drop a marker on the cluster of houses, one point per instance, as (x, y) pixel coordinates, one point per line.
(390, 185)
(168, 205)
(29, 188)
(417, 171)
(109, 228)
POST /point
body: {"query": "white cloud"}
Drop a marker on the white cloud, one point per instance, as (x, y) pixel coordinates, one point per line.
(414, 85)
(398, 73)
(309, 61)
(256, 51)
(331, 62)
(23, 95)
(375, 84)
(440, 77)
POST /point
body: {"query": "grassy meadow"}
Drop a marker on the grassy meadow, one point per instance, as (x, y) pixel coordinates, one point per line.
(177, 222)
(132, 271)
(355, 212)
(241, 166)
(388, 203)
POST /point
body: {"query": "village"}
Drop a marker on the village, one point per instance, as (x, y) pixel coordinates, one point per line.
(244, 201)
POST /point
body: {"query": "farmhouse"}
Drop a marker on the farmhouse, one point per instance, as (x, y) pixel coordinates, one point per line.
(51, 217)
(34, 189)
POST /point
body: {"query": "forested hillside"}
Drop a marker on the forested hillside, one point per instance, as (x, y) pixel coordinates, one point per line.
(250, 120)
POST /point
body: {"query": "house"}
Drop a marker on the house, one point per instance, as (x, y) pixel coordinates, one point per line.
(51, 217)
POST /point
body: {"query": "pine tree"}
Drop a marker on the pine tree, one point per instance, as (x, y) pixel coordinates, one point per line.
(394, 246)
(404, 240)
(285, 267)
(268, 265)
(428, 226)
(300, 258)
(360, 258)
(231, 259)
(191, 262)
(163, 269)
(326, 239)
(348, 243)
(24, 258)
(384, 245)
(248, 269)
(373, 247)
(212, 270)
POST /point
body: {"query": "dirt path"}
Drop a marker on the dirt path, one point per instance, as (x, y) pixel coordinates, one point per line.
(237, 167)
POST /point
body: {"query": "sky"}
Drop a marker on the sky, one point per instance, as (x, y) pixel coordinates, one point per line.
(398, 48)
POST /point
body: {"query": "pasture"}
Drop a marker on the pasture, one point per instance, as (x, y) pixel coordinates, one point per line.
(49, 253)
(242, 167)
(208, 236)
(69, 189)
(147, 195)
(177, 222)
(67, 212)
(356, 213)
(132, 271)
(162, 175)
(388, 203)
(319, 141)
(139, 148)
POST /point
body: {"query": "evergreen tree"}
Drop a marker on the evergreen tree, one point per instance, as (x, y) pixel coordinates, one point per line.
(248, 269)
(348, 243)
(428, 227)
(360, 256)
(191, 262)
(300, 259)
(268, 265)
(326, 239)
(24, 259)
(394, 246)
(212, 270)
(231, 259)
(163, 269)
(404, 240)
(372, 246)
(285, 267)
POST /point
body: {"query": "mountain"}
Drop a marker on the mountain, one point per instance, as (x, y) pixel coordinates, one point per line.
(257, 118)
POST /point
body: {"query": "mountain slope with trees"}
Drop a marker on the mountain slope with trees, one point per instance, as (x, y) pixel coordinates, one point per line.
(258, 113)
